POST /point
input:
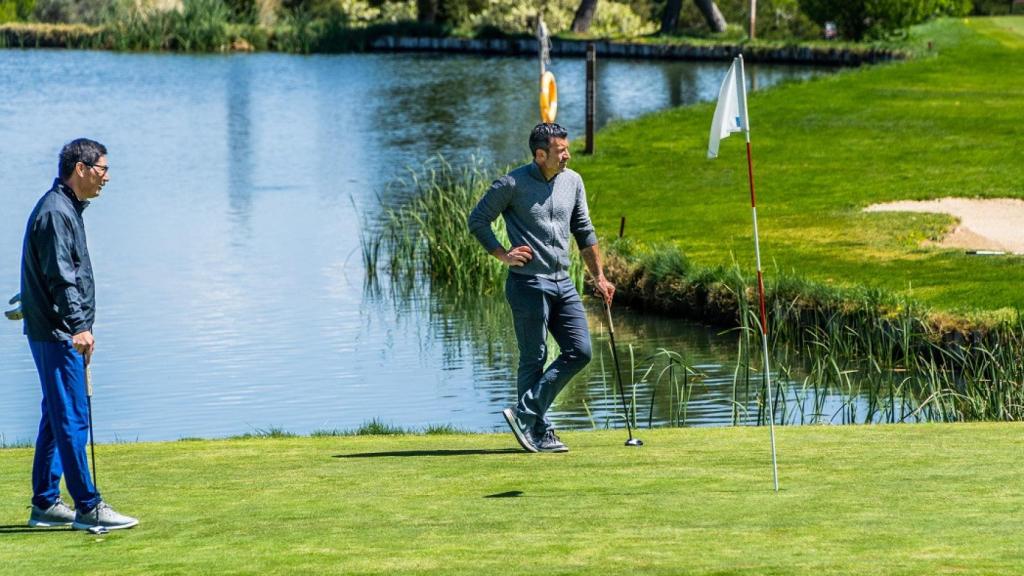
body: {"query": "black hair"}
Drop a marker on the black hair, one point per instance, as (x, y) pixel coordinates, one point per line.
(79, 150)
(541, 135)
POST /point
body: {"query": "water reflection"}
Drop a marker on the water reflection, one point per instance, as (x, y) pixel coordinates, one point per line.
(239, 138)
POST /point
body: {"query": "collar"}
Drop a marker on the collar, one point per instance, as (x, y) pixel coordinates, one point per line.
(66, 190)
(537, 173)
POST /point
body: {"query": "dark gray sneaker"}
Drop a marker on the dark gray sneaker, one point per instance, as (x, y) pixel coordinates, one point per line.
(57, 515)
(549, 442)
(519, 430)
(103, 516)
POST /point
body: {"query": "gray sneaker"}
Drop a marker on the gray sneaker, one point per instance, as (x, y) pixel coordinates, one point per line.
(105, 517)
(57, 515)
(519, 429)
(549, 442)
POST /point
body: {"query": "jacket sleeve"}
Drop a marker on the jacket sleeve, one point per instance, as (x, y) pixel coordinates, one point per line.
(580, 225)
(487, 210)
(54, 244)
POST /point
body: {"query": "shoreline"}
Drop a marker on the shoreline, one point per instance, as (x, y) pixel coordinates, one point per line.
(253, 39)
(781, 54)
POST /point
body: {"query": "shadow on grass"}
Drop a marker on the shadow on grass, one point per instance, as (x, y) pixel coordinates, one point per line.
(509, 494)
(432, 453)
(23, 529)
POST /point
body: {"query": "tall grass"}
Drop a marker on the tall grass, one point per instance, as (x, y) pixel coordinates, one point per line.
(201, 26)
(839, 355)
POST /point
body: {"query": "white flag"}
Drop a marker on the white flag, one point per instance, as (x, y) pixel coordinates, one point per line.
(731, 112)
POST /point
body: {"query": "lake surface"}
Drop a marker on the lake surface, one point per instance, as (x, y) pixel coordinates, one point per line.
(231, 294)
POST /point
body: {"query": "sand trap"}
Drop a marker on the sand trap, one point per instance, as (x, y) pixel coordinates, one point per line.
(996, 224)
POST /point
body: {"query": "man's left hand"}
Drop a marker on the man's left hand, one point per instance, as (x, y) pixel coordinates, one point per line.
(605, 289)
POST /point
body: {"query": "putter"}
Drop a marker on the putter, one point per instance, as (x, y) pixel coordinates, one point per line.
(618, 376)
(92, 442)
(14, 313)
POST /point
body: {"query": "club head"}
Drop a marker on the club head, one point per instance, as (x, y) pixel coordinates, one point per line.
(98, 530)
(14, 313)
(634, 442)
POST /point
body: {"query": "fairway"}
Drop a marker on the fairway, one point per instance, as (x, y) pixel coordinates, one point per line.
(908, 499)
(944, 124)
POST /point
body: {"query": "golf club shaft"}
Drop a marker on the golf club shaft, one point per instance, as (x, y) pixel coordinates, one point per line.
(92, 439)
(615, 361)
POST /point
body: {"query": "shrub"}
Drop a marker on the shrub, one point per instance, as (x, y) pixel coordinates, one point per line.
(72, 11)
(860, 19)
(11, 10)
(515, 17)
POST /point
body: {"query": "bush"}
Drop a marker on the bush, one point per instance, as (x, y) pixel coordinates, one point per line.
(860, 19)
(72, 11)
(516, 17)
(992, 7)
(11, 10)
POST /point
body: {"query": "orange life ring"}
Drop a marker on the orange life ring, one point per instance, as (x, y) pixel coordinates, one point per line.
(548, 97)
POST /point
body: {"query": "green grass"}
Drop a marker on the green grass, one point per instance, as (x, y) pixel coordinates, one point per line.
(921, 499)
(943, 125)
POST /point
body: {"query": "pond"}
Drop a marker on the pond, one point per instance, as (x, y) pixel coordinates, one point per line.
(230, 290)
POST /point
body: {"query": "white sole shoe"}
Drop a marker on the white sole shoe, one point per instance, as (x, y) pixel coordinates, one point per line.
(525, 442)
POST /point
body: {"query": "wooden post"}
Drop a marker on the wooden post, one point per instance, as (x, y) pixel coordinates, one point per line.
(753, 19)
(591, 96)
(622, 226)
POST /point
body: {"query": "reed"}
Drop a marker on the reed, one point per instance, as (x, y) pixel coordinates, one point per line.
(200, 26)
(839, 355)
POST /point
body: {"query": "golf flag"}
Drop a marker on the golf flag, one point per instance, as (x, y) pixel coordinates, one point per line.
(731, 112)
(731, 116)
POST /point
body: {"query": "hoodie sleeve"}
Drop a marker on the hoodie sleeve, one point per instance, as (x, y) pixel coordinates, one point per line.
(487, 210)
(54, 243)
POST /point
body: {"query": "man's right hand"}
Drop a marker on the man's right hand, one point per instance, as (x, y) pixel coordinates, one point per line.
(517, 256)
(85, 344)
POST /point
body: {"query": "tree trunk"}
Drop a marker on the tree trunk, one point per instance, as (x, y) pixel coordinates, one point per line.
(670, 17)
(712, 15)
(584, 16)
(426, 11)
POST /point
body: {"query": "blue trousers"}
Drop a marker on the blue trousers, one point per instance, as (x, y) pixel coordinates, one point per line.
(540, 306)
(63, 429)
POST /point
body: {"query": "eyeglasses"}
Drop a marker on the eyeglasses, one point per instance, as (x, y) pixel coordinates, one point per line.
(102, 168)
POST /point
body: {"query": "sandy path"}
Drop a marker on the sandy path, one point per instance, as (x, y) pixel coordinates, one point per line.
(996, 224)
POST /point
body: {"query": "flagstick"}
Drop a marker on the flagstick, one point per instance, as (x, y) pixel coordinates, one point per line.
(760, 277)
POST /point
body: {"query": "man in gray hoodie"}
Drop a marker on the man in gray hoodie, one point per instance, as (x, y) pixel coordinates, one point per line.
(543, 202)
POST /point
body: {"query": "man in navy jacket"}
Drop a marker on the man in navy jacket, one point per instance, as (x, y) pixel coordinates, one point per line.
(58, 302)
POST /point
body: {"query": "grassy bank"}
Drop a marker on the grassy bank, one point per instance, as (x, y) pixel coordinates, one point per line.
(924, 499)
(824, 150)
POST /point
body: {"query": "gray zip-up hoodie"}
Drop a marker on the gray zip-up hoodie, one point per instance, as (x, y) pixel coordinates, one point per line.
(538, 213)
(57, 291)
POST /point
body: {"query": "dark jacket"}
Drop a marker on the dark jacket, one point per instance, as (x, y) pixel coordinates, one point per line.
(57, 291)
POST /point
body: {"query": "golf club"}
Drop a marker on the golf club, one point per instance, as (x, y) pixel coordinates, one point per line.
(92, 439)
(618, 376)
(14, 313)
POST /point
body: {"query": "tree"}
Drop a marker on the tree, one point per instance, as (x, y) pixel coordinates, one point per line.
(584, 15)
(426, 11)
(708, 8)
(712, 15)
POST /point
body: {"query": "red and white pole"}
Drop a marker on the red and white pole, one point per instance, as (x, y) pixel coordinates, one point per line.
(742, 86)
